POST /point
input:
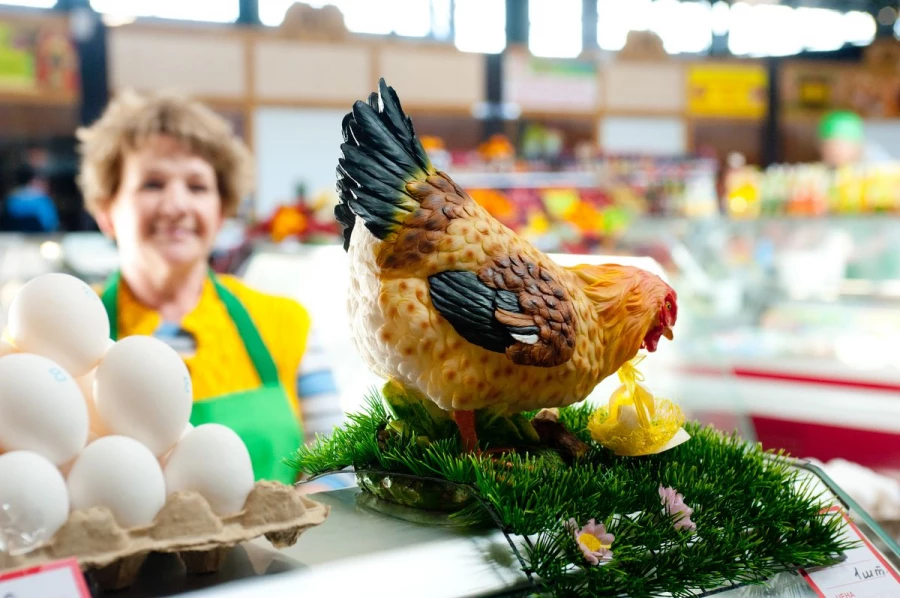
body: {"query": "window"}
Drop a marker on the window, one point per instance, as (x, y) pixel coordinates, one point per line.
(822, 28)
(29, 3)
(271, 12)
(682, 26)
(860, 27)
(404, 17)
(368, 17)
(220, 11)
(766, 30)
(555, 28)
(441, 17)
(721, 18)
(615, 18)
(480, 26)
(417, 21)
(753, 29)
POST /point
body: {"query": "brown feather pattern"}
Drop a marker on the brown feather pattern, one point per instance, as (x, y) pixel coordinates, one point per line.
(546, 305)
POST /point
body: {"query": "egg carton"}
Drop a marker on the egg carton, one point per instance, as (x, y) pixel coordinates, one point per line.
(186, 525)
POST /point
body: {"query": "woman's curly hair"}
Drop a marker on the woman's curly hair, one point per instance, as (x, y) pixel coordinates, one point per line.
(132, 118)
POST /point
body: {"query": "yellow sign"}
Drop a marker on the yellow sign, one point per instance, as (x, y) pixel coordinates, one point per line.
(37, 56)
(815, 92)
(727, 91)
(16, 62)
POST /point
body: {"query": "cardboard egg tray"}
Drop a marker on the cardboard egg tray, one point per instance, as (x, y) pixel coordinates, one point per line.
(186, 525)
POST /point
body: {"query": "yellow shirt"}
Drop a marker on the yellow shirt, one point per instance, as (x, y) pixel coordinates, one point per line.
(220, 365)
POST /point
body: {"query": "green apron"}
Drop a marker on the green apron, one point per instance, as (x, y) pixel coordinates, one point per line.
(263, 417)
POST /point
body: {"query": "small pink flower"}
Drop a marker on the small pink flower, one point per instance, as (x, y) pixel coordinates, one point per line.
(674, 505)
(593, 541)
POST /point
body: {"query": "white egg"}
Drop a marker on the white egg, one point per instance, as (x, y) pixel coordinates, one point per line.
(62, 318)
(121, 474)
(165, 457)
(41, 408)
(35, 493)
(628, 417)
(86, 385)
(142, 389)
(7, 349)
(212, 460)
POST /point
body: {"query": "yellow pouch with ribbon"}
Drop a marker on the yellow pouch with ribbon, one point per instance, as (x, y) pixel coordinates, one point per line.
(636, 422)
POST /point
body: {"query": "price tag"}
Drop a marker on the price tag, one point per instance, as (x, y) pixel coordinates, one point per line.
(864, 574)
(60, 579)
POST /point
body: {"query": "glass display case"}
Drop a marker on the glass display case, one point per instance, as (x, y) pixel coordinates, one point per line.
(787, 333)
(805, 305)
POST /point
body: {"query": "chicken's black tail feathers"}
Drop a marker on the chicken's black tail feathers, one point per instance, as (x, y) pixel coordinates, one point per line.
(379, 156)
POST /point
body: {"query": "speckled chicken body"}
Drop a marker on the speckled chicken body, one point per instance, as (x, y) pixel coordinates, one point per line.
(402, 337)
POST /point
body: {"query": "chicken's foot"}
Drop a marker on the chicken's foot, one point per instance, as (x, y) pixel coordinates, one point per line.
(465, 420)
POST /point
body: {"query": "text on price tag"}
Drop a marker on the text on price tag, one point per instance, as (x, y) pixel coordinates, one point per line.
(60, 579)
(864, 574)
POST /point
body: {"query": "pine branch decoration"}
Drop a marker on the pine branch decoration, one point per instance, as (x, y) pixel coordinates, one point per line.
(755, 514)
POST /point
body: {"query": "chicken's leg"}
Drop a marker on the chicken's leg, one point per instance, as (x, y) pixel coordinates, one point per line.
(465, 420)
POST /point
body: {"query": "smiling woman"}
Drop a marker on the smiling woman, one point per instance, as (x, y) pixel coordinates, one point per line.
(160, 174)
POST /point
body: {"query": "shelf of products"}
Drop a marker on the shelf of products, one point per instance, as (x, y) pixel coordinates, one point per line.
(583, 208)
(812, 190)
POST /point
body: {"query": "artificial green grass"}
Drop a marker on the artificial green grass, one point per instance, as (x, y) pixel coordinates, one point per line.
(754, 515)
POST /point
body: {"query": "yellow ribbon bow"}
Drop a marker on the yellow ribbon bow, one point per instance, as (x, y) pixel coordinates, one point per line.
(634, 392)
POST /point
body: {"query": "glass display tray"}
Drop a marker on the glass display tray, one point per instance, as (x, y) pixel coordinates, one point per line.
(384, 552)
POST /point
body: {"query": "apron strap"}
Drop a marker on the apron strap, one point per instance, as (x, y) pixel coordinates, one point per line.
(247, 330)
(249, 333)
(110, 298)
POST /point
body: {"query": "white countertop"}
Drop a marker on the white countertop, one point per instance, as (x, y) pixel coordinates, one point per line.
(358, 551)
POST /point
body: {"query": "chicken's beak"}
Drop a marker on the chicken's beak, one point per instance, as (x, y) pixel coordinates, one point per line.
(667, 332)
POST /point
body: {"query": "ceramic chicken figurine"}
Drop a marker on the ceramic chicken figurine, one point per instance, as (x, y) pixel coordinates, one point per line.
(451, 305)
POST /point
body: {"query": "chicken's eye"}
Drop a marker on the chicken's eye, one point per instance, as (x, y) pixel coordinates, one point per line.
(668, 306)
